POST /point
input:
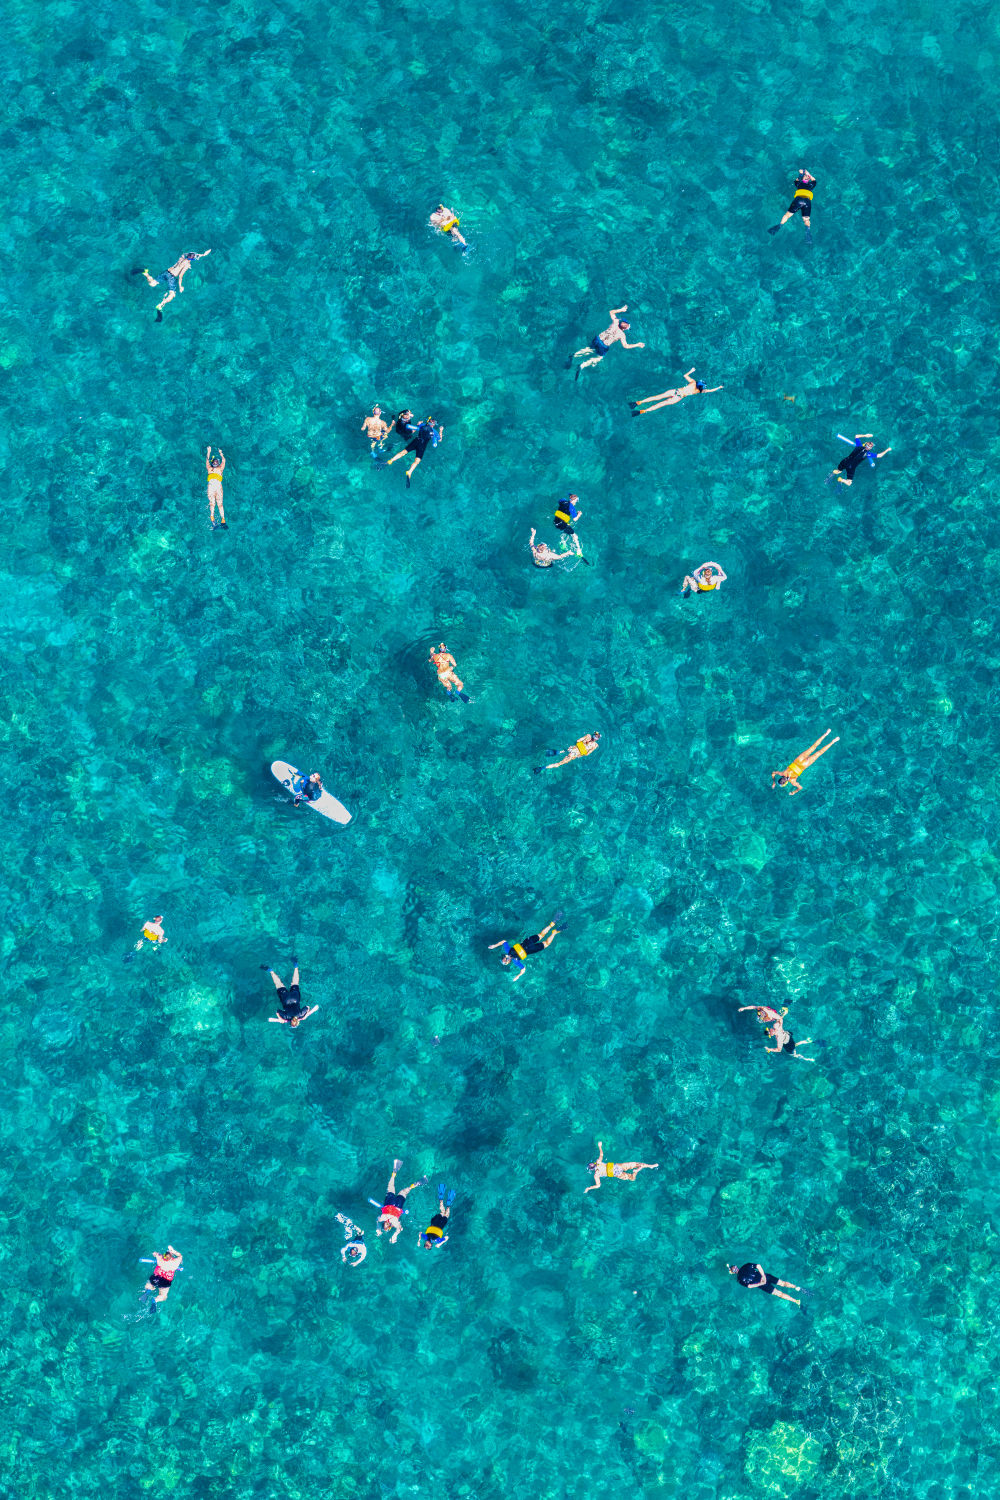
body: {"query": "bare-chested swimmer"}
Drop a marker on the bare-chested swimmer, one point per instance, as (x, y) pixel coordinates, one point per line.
(601, 343)
(444, 665)
(376, 428)
(543, 554)
(172, 278)
(646, 404)
(447, 221)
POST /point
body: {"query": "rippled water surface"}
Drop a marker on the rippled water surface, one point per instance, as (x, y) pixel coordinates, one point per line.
(558, 1345)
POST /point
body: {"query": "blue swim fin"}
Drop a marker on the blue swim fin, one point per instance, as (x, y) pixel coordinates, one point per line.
(774, 229)
(465, 697)
(809, 236)
(559, 918)
(452, 1195)
(442, 1189)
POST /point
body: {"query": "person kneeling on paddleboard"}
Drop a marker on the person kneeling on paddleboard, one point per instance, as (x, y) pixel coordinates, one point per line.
(292, 1009)
(309, 787)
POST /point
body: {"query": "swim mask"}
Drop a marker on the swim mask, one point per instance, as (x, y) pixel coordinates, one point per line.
(699, 385)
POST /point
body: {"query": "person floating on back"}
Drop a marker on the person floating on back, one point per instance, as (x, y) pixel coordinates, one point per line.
(860, 450)
(543, 556)
(427, 435)
(567, 513)
(709, 576)
(516, 953)
(161, 1279)
(309, 787)
(601, 342)
(755, 1278)
(586, 746)
(447, 221)
(626, 1171)
(790, 775)
(292, 1010)
(390, 1220)
(354, 1250)
(802, 197)
(671, 398)
(375, 428)
(444, 665)
(172, 278)
(435, 1235)
(215, 472)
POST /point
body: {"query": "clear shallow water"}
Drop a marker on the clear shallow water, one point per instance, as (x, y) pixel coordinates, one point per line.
(565, 1344)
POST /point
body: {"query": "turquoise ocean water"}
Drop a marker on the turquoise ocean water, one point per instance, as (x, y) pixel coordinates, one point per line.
(559, 1345)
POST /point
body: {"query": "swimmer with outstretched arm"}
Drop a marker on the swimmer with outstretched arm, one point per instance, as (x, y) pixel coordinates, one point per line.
(161, 1279)
(626, 1171)
(671, 398)
(790, 775)
(390, 1220)
(602, 342)
(292, 1010)
(516, 953)
(860, 450)
(172, 278)
(543, 555)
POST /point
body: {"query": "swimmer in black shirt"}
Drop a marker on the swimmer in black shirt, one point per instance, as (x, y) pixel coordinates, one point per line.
(861, 450)
(755, 1278)
(802, 196)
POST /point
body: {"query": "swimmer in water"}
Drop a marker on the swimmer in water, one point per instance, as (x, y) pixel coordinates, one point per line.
(543, 555)
(790, 775)
(152, 932)
(602, 342)
(354, 1250)
(162, 1276)
(447, 221)
(709, 576)
(671, 398)
(755, 1278)
(435, 1235)
(292, 1010)
(426, 435)
(860, 450)
(376, 428)
(390, 1220)
(802, 196)
(516, 953)
(766, 1014)
(586, 746)
(567, 512)
(215, 473)
(172, 278)
(444, 665)
(785, 1042)
(626, 1171)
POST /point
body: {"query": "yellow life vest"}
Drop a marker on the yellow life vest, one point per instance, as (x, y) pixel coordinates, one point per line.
(609, 1169)
(522, 953)
(584, 748)
(454, 223)
(802, 192)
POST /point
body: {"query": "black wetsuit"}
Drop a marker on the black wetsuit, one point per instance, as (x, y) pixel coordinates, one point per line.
(744, 1274)
(849, 464)
(533, 944)
(422, 439)
(802, 197)
(566, 514)
(404, 426)
(291, 1003)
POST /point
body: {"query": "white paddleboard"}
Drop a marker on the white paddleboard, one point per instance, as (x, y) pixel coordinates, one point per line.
(324, 803)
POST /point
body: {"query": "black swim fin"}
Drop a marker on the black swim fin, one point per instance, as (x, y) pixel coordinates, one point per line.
(407, 481)
(159, 315)
(809, 236)
(465, 697)
(137, 270)
(774, 229)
